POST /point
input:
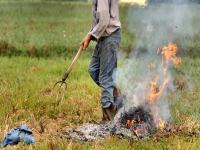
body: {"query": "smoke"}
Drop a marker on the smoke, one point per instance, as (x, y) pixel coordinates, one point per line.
(154, 27)
(134, 78)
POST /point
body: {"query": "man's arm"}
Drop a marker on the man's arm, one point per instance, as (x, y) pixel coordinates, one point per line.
(103, 16)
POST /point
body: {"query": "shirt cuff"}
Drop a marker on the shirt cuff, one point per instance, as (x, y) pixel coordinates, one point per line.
(94, 36)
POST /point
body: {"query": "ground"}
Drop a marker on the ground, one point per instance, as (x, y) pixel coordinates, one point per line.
(37, 42)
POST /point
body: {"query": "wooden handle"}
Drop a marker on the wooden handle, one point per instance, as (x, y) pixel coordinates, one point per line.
(72, 64)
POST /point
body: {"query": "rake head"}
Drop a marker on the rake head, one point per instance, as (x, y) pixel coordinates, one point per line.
(60, 83)
(66, 74)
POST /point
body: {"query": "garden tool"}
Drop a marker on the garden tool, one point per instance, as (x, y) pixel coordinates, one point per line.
(69, 69)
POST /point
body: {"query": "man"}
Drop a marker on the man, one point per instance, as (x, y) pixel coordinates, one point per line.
(106, 31)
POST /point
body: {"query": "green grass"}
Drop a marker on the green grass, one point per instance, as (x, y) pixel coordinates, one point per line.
(26, 96)
(42, 29)
(49, 30)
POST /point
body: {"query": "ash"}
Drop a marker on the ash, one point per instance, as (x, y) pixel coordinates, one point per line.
(141, 128)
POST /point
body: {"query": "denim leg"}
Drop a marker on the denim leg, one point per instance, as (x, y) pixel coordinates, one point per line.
(108, 65)
(94, 67)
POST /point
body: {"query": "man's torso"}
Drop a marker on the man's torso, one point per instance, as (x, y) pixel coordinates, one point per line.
(114, 22)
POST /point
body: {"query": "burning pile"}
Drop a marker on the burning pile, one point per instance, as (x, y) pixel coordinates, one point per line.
(137, 121)
(146, 116)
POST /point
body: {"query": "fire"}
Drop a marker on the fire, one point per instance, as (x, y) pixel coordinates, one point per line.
(169, 53)
(161, 124)
(156, 88)
(129, 123)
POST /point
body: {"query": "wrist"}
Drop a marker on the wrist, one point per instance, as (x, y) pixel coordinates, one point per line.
(91, 37)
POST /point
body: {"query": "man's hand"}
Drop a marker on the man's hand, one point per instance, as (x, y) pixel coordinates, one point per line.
(86, 41)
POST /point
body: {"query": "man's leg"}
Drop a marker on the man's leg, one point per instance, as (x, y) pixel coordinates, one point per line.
(108, 64)
(94, 66)
(94, 71)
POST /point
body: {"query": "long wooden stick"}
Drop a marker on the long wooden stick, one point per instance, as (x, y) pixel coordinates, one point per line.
(69, 69)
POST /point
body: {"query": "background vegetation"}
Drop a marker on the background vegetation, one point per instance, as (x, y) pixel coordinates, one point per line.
(47, 29)
(37, 40)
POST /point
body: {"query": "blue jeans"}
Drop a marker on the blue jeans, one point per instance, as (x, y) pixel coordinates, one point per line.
(103, 66)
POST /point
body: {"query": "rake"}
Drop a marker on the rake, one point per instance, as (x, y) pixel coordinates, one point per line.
(69, 69)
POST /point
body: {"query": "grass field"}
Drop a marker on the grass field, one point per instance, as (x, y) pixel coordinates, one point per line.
(47, 29)
(37, 40)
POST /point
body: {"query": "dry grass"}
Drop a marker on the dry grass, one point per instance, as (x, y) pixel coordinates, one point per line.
(29, 99)
(26, 94)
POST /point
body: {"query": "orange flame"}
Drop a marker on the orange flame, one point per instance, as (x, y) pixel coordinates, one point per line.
(129, 123)
(157, 86)
(161, 124)
(156, 89)
(169, 53)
